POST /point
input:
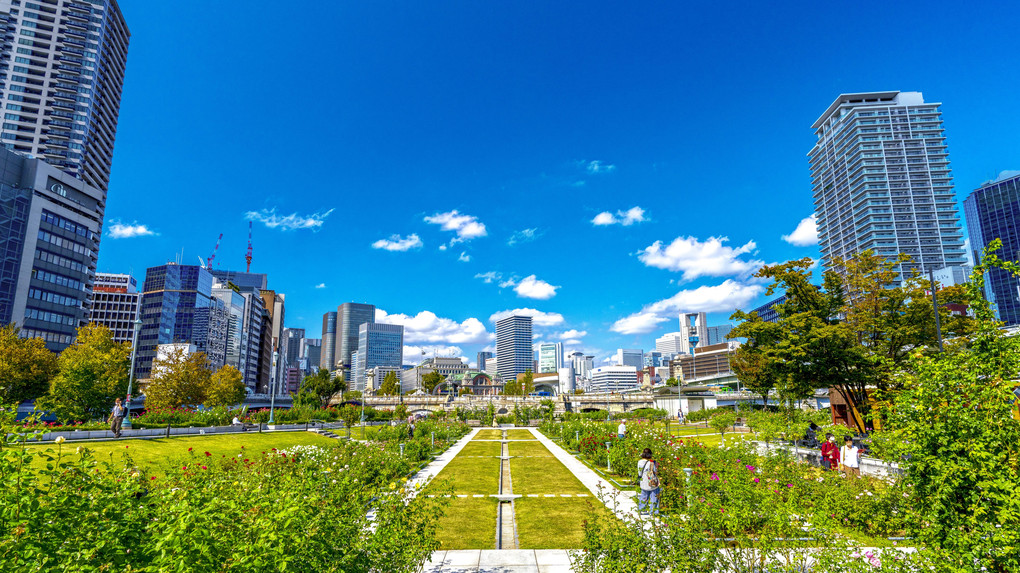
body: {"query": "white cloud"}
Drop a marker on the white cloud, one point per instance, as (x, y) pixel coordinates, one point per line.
(538, 318)
(464, 257)
(119, 230)
(397, 243)
(413, 353)
(467, 227)
(489, 277)
(523, 236)
(320, 285)
(625, 218)
(442, 247)
(572, 342)
(291, 222)
(427, 327)
(697, 259)
(597, 167)
(572, 333)
(725, 297)
(532, 287)
(806, 233)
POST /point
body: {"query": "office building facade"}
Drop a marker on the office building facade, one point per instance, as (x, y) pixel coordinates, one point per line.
(327, 356)
(514, 347)
(693, 331)
(550, 357)
(62, 82)
(350, 317)
(717, 334)
(379, 345)
(993, 212)
(669, 343)
(482, 357)
(115, 305)
(50, 229)
(630, 357)
(614, 378)
(881, 179)
(236, 339)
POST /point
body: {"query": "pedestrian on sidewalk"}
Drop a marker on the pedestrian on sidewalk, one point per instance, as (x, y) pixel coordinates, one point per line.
(851, 456)
(648, 473)
(621, 430)
(830, 453)
(117, 418)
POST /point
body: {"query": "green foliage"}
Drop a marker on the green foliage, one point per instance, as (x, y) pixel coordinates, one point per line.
(26, 368)
(390, 385)
(722, 421)
(226, 387)
(400, 412)
(671, 381)
(180, 379)
(520, 386)
(322, 386)
(93, 372)
(349, 414)
(431, 380)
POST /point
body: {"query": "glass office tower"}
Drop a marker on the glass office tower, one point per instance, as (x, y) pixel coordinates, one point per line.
(993, 212)
(514, 347)
(880, 172)
(378, 345)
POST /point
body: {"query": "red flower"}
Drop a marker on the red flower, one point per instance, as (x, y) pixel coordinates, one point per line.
(153, 477)
(207, 454)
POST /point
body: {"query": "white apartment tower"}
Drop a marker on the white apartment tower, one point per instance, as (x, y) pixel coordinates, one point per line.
(881, 179)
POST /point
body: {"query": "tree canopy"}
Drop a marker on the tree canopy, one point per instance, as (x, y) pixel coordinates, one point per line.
(93, 372)
(179, 379)
(431, 380)
(319, 388)
(26, 366)
(390, 385)
(226, 387)
(520, 386)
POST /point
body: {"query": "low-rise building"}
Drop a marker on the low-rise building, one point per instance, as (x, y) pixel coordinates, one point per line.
(613, 378)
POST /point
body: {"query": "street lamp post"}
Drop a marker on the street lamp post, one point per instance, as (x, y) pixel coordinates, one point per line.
(272, 391)
(131, 375)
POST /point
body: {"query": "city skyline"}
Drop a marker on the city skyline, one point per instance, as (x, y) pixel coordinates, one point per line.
(578, 174)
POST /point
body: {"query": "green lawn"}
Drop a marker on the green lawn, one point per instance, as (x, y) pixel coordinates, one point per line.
(552, 523)
(469, 524)
(489, 435)
(157, 453)
(543, 475)
(519, 435)
(533, 448)
(481, 449)
(470, 476)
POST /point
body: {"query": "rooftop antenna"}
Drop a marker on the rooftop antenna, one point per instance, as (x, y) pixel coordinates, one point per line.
(247, 255)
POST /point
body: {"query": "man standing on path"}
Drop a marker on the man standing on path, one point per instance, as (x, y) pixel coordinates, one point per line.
(116, 418)
(621, 430)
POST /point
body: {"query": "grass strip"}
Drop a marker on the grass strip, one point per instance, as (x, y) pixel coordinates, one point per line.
(534, 448)
(489, 435)
(519, 435)
(552, 523)
(163, 452)
(469, 524)
(468, 476)
(543, 475)
(481, 449)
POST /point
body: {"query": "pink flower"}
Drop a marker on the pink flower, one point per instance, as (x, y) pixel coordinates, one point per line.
(755, 480)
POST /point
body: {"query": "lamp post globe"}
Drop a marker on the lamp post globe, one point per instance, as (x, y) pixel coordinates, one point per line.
(131, 373)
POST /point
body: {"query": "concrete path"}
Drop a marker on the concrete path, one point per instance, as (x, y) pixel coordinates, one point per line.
(505, 561)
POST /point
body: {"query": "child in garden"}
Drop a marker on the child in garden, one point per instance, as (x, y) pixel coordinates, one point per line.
(830, 453)
(648, 472)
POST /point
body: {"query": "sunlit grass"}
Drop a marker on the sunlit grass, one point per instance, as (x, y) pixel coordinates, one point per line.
(469, 524)
(470, 476)
(552, 523)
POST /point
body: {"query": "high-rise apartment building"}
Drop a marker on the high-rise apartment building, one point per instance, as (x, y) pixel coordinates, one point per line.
(50, 228)
(513, 346)
(881, 178)
(61, 81)
(327, 357)
(993, 212)
(275, 306)
(550, 357)
(115, 304)
(630, 357)
(583, 364)
(653, 358)
(178, 307)
(379, 345)
(349, 318)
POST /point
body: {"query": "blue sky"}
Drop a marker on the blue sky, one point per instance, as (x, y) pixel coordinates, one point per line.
(605, 164)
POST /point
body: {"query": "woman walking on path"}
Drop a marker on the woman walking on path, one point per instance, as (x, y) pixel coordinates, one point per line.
(116, 418)
(648, 472)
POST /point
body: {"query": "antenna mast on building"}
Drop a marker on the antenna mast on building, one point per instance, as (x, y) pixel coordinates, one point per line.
(247, 255)
(208, 262)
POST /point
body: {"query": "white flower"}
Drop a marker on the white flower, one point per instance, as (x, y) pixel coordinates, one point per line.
(59, 440)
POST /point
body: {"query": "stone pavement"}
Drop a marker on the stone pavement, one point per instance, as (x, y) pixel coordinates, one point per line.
(505, 561)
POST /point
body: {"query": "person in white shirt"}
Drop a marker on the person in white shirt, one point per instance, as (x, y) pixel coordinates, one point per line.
(851, 458)
(621, 430)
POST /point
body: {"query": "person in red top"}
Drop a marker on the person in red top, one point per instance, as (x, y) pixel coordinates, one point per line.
(830, 453)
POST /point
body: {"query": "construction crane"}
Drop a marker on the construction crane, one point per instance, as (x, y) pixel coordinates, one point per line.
(208, 262)
(247, 255)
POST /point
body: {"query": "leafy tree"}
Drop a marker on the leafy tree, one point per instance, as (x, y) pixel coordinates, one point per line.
(226, 387)
(720, 422)
(321, 386)
(352, 394)
(180, 379)
(671, 381)
(390, 385)
(755, 363)
(349, 414)
(528, 383)
(93, 372)
(400, 412)
(26, 366)
(959, 440)
(520, 386)
(431, 380)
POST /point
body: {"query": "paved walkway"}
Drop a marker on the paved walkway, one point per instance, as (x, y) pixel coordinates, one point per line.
(505, 561)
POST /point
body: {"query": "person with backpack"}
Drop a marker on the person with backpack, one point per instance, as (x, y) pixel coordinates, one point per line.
(648, 474)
